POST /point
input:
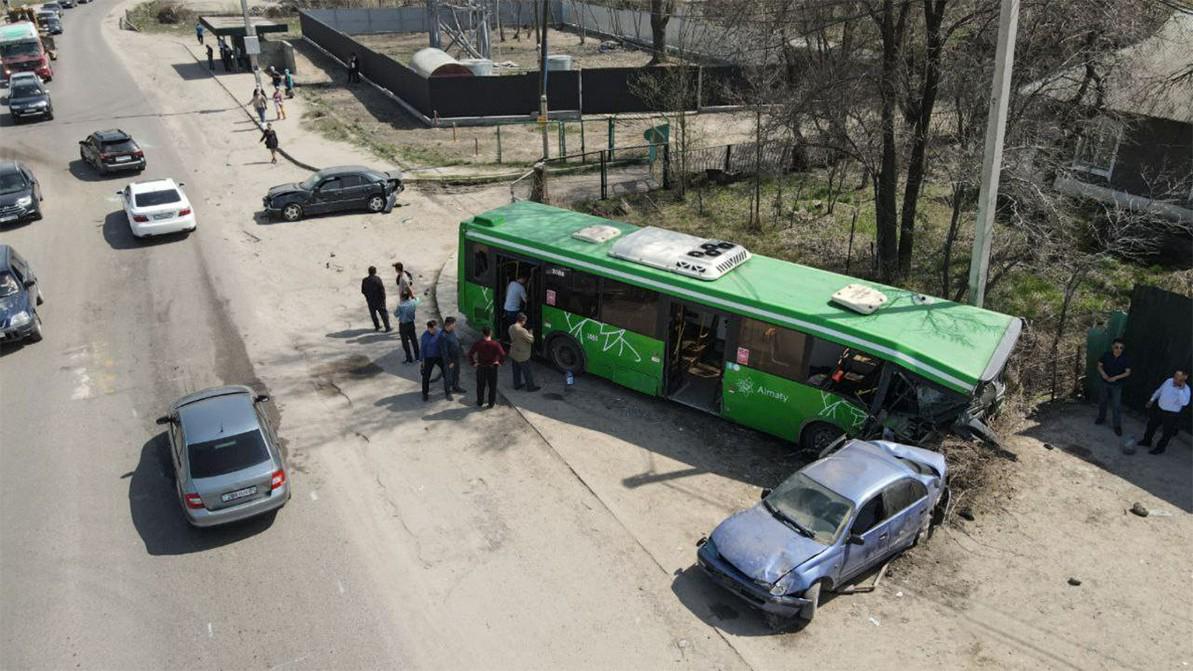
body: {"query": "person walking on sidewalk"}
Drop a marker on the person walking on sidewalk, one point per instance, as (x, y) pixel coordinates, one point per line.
(275, 77)
(403, 279)
(210, 59)
(353, 69)
(270, 137)
(374, 291)
(199, 32)
(1171, 397)
(279, 107)
(486, 356)
(260, 104)
(451, 351)
(407, 307)
(431, 345)
(521, 340)
(225, 56)
(288, 80)
(1113, 367)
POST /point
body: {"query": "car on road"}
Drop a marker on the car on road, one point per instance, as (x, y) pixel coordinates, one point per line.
(114, 149)
(50, 23)
(20, 193)
(18, 77)
(227, 463)
(29, 99)
(52, 6)
(829, 523)
(20, 294)
(157, 207)
(337, 189)
(67, 4)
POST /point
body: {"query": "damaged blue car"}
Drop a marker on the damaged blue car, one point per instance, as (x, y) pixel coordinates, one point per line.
(827, 524)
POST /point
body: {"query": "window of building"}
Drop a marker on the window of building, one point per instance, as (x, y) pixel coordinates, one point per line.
(1098, 147)
(772, 349)
(629, 307)
(479, 261)
(570, 290)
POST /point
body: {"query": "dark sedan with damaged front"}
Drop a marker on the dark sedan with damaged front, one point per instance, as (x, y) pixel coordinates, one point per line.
(339, 189)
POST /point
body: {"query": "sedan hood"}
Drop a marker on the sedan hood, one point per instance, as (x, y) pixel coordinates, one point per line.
(7, 199)
(283, 189)
(761, 546)
(28, 100)
(10, 305)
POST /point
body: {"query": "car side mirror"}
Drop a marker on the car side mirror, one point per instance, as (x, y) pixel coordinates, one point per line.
(260, 398)
(855, 539)
(182, 184)
(765, 493)
(165, 419)
(29, 284)
(82, 142)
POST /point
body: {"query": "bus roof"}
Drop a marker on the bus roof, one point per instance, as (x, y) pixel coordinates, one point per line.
(18, 31)
(953, 344)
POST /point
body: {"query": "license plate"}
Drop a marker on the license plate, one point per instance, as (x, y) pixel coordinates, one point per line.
(238, 494)
(167, 215)
(9, 217)
(122, 159)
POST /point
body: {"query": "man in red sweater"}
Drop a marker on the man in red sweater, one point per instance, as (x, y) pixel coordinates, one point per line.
(486, 356)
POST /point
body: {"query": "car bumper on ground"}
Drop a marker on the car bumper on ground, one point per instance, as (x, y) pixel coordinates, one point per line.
(209, 518)
(390, 201)
(137, 164)
(145, 229)
(727, 576)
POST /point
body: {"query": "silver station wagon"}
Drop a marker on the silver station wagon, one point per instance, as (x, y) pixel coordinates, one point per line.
(227, 463)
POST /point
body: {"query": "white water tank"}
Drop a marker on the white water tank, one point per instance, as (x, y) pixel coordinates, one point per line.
(481, 67)
(559, 62)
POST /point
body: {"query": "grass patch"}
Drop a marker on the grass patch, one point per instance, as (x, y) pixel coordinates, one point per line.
(163, 16)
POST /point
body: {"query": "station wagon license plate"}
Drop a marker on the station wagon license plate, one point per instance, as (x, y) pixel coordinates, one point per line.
(122, 159)
(168, 215)
(238, 494)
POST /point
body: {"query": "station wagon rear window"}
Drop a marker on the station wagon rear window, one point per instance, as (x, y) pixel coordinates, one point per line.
(118, 146)
(151, 198)
(227, 454)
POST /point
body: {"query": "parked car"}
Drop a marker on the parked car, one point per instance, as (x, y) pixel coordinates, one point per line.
(157, 207)
(350, 187)
(67, 4)
(227, 464)
(108, 150)
(50, 23)
(54, 6)
(20, 294)
(29, 99)
(20, 193)
(18, 77)
(827, 524)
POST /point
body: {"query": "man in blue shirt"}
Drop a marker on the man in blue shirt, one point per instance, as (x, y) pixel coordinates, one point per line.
(1114, 367)
(450, 350)
(429, 348)
(515, 298)
(1170, 398)
(407, 307)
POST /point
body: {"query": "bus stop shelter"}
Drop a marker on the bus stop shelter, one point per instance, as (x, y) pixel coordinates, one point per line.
(232, 29)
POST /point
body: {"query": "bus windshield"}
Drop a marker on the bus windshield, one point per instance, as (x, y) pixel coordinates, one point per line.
(18, 49)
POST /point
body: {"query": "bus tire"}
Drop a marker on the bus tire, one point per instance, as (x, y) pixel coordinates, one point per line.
(818, 436)
(566, 354)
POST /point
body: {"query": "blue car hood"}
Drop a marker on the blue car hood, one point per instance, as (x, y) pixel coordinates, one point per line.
(761, 546)
(10, 305)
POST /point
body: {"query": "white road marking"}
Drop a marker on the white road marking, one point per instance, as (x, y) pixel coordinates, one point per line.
(83, 388)
(210, 633)
(314, 496)
(340, 585)
(293, 661)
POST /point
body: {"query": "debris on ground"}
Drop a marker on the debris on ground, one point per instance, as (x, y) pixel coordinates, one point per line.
(966, 514)
(1140, 509)
(1074, 582)
(874, 620)
(1048, 446)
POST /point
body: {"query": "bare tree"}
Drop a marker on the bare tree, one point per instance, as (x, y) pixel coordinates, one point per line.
(660, 16)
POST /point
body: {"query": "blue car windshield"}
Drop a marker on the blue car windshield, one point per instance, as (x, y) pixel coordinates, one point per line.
(226, 454)
(811, 506)
(8, 284)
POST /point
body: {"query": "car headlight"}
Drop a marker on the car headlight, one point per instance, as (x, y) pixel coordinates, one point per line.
(40, 103)
(19, 319)
(24, 201)
(785, 585)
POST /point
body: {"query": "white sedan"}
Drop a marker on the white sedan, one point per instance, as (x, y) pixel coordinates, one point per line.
(157, 207)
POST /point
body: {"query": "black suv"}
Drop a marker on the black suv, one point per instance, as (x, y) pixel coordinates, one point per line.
(27, 99)
(20, 193)
(349, 187)
(108, 150)
(19, 297)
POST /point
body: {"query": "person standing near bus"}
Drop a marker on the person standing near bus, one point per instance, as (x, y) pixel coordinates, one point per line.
(515, 298)
(1171, 397)
(374, 291)
(521, 340)
(451, 351)
(1114, 367)
(486, 356)
(406, 316)
(432, 356)
(403, 279)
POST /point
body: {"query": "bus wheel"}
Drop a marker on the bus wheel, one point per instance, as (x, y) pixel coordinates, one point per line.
(818, 437)
(566, 354)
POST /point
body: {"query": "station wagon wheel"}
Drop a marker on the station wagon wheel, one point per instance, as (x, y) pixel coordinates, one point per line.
(565, 354)
(292, 212)
(376, 204)
(818, 437)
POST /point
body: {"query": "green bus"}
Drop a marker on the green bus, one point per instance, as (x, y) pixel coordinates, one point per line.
(800, 353)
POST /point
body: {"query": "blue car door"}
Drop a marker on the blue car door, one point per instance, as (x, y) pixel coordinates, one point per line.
(908, 499)
(872, 526)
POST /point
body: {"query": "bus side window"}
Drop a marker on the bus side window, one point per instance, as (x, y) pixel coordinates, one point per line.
(480, 265)
(629, 307)
(571, 290)
(772, 349)
(822, 360)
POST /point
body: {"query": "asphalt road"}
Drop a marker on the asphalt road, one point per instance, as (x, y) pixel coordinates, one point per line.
(96, 565)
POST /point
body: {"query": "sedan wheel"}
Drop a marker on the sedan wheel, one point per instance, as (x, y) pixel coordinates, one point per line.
(35, 335)
(376, 204)
(292, 212)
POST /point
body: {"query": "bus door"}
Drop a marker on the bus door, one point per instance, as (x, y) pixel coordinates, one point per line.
(509, 269)
(696, 346)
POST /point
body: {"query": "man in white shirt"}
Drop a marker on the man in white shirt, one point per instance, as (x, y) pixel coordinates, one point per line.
(515, 298)
(1170, 398)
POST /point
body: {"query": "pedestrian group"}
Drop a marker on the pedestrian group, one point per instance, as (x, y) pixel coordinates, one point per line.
(1164, 406)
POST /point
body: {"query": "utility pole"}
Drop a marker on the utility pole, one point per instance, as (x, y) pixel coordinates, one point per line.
(250, 37)
(996, 126)
(542, 79)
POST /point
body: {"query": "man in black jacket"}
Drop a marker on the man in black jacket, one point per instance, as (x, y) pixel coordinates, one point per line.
(374, 290)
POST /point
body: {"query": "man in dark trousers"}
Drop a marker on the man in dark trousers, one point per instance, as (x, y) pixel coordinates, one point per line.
(451, 351)
(430, 356)
(1113, 367)
(486, 356)
(210, 58)
(1170, 398)
(353, 69)
(374, 290)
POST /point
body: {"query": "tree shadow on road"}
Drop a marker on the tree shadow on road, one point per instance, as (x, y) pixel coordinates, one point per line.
(156, 513)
